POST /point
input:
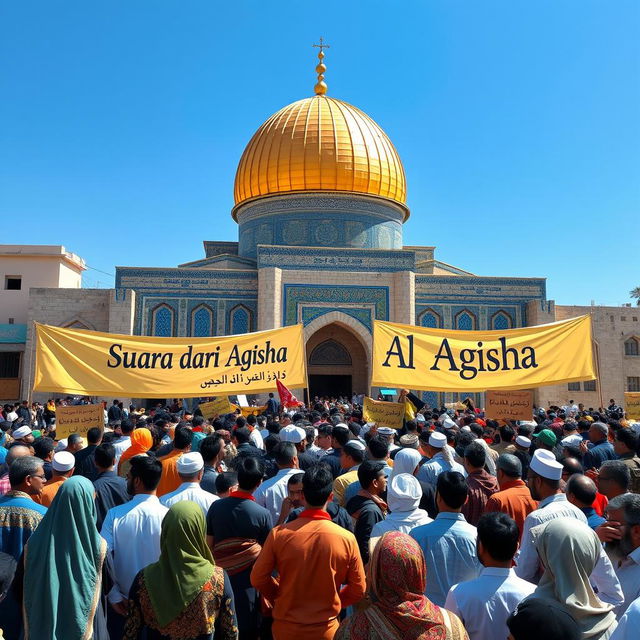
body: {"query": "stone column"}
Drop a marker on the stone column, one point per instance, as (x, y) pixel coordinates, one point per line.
(269, 298)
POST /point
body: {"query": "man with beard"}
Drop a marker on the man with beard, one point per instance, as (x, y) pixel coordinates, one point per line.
(132, 532)
(623, 544)
(294, 498)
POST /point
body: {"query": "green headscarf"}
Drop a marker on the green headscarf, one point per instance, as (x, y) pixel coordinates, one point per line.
(63, 567)
(185, 562)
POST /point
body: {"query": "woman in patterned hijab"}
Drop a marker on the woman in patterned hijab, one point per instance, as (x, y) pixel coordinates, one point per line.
(399, 609)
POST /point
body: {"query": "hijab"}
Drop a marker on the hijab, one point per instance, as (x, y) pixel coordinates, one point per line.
(397, 581)
(185, 562)
(141, 442)
(405, 461)
(569, 551)
(63, 567)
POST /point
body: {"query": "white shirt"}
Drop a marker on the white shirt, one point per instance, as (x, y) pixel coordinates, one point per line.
(273, 491)
(256, 439)
(628, 572)
(132, 532)
(629, 624)
(121, 445)
(484, 604)
(190, 491)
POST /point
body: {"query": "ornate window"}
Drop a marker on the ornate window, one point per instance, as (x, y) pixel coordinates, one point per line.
(465, 320)
(632, 347)
(430, 318)
(201, 321)
(330, 352)
(501, 321)
(431, 398)
(162, 321)
(240, 320)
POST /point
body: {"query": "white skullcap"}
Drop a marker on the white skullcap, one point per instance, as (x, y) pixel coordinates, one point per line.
(448, 422)
(293, 434)
(62, 445)
(404, 492)
(342, 425)
(437, 440)
(466, 427)
(544, 463)
(355, 444)
(189, 463)
(63, 461)
(523, 441)
(21, 432)
(420, 418)
(386, 431)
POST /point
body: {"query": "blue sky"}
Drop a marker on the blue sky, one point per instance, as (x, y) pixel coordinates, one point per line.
(518, 123)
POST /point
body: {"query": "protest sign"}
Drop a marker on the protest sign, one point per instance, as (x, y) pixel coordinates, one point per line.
(80, 362)
(78, 419)
(215, 408)
(632, 404)
(384, 414)
(414, 357)
(248, 411)
(509, 405)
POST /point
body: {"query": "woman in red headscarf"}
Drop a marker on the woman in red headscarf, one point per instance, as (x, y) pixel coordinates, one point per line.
(141, 442)
(399, 609)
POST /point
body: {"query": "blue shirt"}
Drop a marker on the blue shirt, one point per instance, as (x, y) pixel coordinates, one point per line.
(597, 454)
(430, 470)
(593, 519)
(449, 547)
(19, 518)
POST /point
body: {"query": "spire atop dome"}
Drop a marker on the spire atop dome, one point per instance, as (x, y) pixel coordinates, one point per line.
(321, 86)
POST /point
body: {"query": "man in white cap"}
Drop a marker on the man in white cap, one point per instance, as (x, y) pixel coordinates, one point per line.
(390, 434)
(24, 435)
(440, 459)
(403, 497)
(190, 467)
(351, 457)
(62, 467)
(523, 444)
(545, 473)
(298, 437)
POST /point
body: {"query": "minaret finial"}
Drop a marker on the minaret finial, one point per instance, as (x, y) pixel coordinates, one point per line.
(321, 86)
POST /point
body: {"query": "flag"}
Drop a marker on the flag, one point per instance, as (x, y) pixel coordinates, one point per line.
(412, 404)
(287, 399)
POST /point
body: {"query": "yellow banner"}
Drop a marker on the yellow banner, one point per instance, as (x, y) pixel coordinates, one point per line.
(448, 360)
(384, 414)
(90, 363)
(215, 408)
(248, 411)
(78, 419)
(632, 404)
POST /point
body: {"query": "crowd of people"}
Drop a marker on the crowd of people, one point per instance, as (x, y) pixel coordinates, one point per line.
(310, 523)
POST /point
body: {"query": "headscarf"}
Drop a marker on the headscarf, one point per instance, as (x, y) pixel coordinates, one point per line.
(198, 437)
(185, 562)
(141, 442)
(569, 551)
(397, 581)
(406, 461)
(63, 567)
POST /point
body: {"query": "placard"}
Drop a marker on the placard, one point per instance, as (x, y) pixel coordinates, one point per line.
(384, 414)
(218, 407)
(78, 419)
(509, 405)
(632, 404)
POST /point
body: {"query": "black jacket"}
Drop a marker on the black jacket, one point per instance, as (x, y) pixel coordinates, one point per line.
(366, 514)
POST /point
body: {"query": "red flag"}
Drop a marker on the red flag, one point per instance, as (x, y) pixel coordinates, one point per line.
(287, 399)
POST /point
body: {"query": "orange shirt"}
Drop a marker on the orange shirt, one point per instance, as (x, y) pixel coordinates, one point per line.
(515, 500)
(313, 557)
(170, 480)
(49, 492)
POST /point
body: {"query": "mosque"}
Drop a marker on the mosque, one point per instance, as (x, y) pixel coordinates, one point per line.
(320, 202)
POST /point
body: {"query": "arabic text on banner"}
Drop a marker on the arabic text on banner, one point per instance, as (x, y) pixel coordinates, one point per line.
(509, 405)
(632, 404)
(384, 414)
(447, 360)
(82, 362)
(78, 419)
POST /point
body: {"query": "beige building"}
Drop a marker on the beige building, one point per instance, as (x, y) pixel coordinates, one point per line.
(23, 267)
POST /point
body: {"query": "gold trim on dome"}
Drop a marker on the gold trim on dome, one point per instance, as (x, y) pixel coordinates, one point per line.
(320, 144)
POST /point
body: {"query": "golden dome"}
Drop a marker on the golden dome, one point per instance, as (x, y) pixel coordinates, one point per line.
(320, 144)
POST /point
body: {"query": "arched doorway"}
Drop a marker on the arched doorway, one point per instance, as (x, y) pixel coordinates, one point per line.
(337, 363)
